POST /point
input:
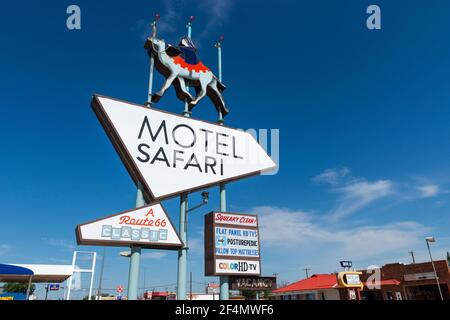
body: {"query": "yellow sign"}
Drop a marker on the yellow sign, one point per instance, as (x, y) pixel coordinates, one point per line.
(350, 279)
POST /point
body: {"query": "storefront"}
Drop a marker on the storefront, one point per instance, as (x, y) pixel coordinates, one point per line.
(316, 287)
(409, 282)
(396, 281)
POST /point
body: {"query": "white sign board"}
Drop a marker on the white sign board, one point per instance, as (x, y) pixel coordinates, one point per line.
(171, 154)
(228, 266)
(353, 279)
(419, 276)
(148, 227)
(232, 244)
(235, 219)
(236, 242)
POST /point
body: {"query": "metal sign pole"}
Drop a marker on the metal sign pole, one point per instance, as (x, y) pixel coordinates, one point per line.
(135, 258)
(224, 284)
(152, 64)
(182, 253)
(71, 277)
(92, 275)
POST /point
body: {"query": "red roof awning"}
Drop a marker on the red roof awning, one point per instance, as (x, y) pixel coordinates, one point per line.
(315, 282)
(388, 282)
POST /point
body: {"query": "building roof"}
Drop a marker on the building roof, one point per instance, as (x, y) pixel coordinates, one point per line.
(38, 272)
(315, 282)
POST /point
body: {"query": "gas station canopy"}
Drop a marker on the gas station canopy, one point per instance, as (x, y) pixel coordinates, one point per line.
(38, 272)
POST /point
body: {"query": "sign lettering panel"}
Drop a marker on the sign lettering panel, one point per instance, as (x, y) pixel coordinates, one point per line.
(252, 283)
(231, 244)
(170, 154)
(236, 242)
(225, 266)
(148, 227)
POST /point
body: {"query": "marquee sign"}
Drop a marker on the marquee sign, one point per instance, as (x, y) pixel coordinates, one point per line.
(170, 154)
(148, 227)
(350, 279)
(231, 244)
(253, 283)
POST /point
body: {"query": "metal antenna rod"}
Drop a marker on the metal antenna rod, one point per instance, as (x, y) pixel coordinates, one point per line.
(186, 112)
(218, 45)
(152, 63)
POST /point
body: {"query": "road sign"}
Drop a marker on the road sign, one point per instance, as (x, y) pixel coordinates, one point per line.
(170, 154)
(53, 287)
(119, 289)
(346, 264)
(147, 227)
(231, 244)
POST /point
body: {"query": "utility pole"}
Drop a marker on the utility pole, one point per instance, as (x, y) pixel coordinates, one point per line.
(190, 285)
(412, 256)
(428, 240)
(46, 291)
(306, 271)
(275, 274)
(145, 281)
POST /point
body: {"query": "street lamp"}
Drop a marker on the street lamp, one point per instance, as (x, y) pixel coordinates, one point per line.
(205, 200)
(125, 254)
(429, 240)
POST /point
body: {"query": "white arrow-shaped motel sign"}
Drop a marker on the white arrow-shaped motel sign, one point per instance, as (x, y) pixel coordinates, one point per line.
(148, 227)
(170, 154)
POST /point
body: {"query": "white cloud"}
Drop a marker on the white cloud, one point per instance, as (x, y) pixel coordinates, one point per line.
(217, 12)
(4, 249)
(428, 191)
(59, 243)
(60, 261)
(354, 193)
(153, 255)
(285, 228)
(196, 245)
(173, 19)
(169, 18)
(332, 176)
(359, 194)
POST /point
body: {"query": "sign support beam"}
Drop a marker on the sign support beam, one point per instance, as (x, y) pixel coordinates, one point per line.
(224, 284)
(133, 276)
(135, 258)
(182, 253)
(224, 281)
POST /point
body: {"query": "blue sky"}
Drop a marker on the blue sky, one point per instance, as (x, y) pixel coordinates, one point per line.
(364, 167)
